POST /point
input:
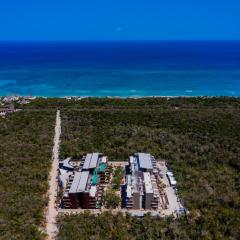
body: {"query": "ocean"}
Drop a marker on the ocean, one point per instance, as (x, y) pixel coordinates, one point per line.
(120, 69)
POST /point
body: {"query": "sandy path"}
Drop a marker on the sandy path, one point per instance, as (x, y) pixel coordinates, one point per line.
(51, 213)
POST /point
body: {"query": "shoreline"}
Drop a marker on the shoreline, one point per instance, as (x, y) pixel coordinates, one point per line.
(118, 97)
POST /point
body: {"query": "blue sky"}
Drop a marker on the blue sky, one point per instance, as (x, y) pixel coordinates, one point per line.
(119, 20)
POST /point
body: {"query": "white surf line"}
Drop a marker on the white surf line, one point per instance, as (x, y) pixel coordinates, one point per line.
(51, 214)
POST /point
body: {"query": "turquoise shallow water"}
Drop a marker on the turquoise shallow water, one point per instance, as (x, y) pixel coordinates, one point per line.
(120, 69)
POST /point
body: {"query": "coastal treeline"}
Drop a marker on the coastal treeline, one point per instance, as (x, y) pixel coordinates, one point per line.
(202, 147)
(133, 103)
(26, 140)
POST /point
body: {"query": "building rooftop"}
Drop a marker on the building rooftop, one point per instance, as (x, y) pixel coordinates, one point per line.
(93, 191)
(66, 163)
(147, 182)
(169, 173)
(76, 179)
(91, 161)
(104, 159)
(144, 161)
(83, 181)
(129, 191)
(79, 182)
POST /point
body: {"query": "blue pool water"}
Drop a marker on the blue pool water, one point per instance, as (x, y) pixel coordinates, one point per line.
(120, 68)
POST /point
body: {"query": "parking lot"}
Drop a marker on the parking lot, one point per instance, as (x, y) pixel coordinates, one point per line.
(174, 204)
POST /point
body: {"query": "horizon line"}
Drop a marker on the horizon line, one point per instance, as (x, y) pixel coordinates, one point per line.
(130, 40)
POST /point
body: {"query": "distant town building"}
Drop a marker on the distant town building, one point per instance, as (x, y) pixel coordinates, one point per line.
(23, 101)
(9, 99)
(6, 110)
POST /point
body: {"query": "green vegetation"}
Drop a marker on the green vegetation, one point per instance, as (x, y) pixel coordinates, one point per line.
(118, 175)
(130, 103)
(112, 200)
(87, 226)
(25, 152)
(117, 227)
(200, 140)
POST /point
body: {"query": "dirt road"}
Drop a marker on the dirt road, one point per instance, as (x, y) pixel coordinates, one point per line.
(51, 214)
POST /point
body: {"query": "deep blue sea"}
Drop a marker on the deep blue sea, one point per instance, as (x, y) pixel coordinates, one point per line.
(120, 68)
